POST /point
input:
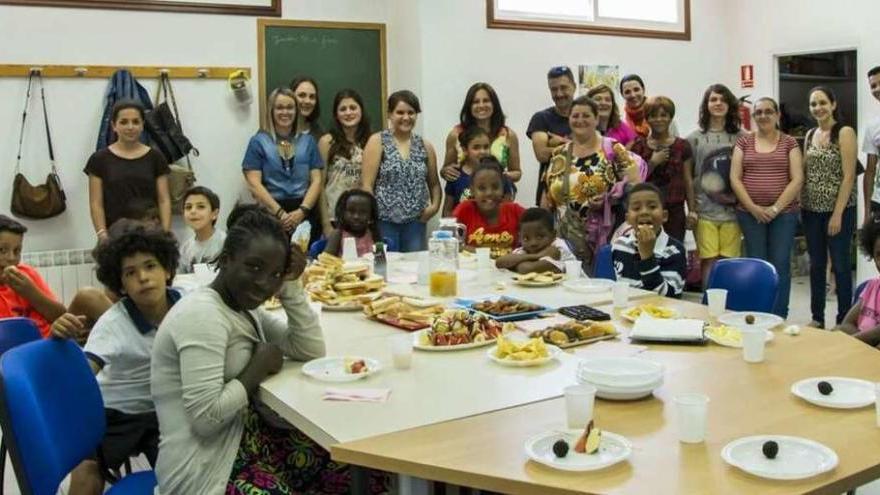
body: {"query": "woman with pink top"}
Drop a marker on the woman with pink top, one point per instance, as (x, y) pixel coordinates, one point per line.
(766, 174)
(610, 124)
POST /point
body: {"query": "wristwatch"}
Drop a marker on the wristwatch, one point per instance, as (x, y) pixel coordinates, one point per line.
(305, 209)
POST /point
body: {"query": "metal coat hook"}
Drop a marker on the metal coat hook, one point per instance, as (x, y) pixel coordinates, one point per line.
(36, 71)
(80, 71)
(202, 73)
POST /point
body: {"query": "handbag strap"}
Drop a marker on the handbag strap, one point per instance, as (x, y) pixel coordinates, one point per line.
(27, 100)
(169, 90)
(46, 121)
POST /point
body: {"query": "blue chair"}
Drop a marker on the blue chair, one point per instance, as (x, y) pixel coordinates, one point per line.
(858, 291)
(318, 246)
(14, 332)
(52, 416)
(751, 283)
(604, 267)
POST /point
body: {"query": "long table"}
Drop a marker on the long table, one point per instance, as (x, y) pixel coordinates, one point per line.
(486, 450)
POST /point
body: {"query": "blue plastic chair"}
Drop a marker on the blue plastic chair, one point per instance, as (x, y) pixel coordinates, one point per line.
(14, 332)
(751, 283)
(604, 267)
(318, 246)
(53, 416)
(858, 291)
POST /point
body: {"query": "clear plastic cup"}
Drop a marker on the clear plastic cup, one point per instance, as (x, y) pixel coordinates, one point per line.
(574, 269)
(753, 340)
(402, 351)
(691, 410)
(579, 400)
(621, 294)
(717, 299)
(484, 258)
(349, 249)
(877, 401)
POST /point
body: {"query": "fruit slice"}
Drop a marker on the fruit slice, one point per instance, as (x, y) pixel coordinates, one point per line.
(589, 441)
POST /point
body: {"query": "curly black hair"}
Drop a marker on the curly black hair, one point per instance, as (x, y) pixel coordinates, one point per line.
(127, 238)
(246, 222)
(339, 212)
(870, 234)
(540, 215)
(488, 164)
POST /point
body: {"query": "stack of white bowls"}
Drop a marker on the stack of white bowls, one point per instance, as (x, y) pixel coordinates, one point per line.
(621, 378)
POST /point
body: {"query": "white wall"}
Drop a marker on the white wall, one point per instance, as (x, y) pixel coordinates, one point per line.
(78, 36)
(765, 29)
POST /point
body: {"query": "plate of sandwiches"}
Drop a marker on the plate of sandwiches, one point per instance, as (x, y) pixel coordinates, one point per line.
(539, 279)
(574, 333)
(407, 313)
(341, 286)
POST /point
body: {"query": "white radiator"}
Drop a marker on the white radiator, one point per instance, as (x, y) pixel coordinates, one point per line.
(64, 271)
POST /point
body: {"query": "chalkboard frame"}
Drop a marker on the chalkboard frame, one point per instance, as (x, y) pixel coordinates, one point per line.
(262, 24)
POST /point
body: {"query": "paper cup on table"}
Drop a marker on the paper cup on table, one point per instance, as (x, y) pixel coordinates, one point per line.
(877, 401)
(424, 267)
(717, 299)
(579, 400)
(573, 269)
(484, 258)
(349, 249)
(402, 351)
(621, 294)
(753, 340)
(691, 410)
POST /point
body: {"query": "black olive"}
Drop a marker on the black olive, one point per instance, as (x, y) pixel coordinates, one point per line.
(770, 449)
(560, 448)
(750, 319)
(825, 388)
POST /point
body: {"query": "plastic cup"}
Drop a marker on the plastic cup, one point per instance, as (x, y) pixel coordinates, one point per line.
(484, 258)
(402, 351)
(204, 273)
(877, 401)
(753, 344)
(424, 261)
(717, 299)
(579, 400)
(621, 294)
(573, 269)
(349, 249)
(691, 410)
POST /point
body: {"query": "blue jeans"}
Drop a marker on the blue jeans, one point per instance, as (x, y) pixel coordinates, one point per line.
(408, 236)
(772, 242)
(818, 246)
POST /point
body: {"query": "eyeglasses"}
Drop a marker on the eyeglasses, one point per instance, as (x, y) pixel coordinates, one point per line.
(558, 71)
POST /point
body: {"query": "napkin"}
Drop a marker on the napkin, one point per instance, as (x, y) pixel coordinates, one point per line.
(605, 349)
(357, 394)
(682, 329)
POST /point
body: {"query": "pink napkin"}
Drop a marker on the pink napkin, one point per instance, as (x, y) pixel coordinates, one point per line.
(606, 348)
(357, 394)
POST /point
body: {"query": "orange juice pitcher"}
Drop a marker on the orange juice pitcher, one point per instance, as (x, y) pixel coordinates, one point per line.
(443, 263)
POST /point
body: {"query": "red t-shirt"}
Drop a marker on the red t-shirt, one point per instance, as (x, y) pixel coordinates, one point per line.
(501, 237)
(13, 304)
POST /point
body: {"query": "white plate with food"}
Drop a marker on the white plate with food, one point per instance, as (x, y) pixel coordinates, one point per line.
(613, 448)
(589, 285)
(836, 392)
(536, 279)
(341, 369)
(522, 354)
(632, 314)
(730, 336)
(779, 457)
(742, 319)
(422, 342)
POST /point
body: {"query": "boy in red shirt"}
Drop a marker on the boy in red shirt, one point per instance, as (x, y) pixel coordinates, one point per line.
(490, 221)
(22, 291)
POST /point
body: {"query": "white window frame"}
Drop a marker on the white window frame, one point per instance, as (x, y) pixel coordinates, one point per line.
(499, 19)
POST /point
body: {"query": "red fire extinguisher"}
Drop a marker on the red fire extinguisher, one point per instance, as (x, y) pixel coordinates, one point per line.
(745, 112)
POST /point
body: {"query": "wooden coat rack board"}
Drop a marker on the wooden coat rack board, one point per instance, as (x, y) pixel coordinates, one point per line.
(105, 71)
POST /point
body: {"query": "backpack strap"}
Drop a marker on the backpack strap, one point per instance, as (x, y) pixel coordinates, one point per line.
(808, 140)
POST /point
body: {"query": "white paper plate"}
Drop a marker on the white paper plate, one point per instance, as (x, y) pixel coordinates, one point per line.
(552, 351)
(332, 369)
(731, 343)
(798, 458)
(847, 393)
(589, 285)
(738, 319)
(612, 449)
(417, 344)
(625, 314)
(532, 283)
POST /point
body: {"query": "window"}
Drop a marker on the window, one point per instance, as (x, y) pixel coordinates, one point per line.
(637, 18)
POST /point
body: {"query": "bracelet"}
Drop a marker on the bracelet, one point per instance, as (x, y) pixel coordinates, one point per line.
(279, 212)
(775, 209)
(305, 209)
(100, 231)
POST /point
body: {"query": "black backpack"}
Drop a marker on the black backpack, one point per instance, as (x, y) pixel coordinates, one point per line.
(164, 127)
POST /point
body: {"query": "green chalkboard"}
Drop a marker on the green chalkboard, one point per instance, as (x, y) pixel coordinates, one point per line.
(336, 55)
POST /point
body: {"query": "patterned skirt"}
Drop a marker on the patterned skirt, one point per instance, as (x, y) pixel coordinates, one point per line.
(272, 461)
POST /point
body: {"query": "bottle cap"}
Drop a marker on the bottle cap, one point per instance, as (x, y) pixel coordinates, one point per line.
(442, 234)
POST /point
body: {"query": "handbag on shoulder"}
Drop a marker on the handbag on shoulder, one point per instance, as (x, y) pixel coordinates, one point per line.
(42, 200)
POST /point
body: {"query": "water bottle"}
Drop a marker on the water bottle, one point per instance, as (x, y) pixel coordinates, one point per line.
(380, 263)
(443, 263)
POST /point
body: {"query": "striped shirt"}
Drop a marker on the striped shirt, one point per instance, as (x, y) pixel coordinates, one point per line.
(765, 175)
(662, 273)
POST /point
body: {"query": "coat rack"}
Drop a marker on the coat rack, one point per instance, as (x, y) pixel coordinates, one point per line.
(105, 71)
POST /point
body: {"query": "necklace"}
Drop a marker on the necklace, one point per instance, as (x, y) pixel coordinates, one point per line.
(287, 151)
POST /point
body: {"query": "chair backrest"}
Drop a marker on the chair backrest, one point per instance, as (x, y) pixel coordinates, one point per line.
(51, 412)
(604, 266)
(751, 283)
(16, 331)
(858, 292)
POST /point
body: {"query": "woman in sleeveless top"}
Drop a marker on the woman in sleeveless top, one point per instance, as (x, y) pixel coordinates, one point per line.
(400, 169)
(828, 200)
(482, 108)
(342, 149)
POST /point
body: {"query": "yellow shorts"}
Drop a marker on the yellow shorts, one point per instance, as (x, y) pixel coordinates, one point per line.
(716, 239)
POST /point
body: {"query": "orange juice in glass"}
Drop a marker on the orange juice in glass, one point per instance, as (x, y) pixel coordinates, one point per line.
(443, 284)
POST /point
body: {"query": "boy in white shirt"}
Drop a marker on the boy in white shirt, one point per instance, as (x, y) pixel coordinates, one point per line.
(201, 207)
(138, 262)
(871, 146)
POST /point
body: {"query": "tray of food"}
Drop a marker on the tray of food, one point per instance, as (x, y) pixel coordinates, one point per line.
(503, 308)
(402, 312)
(632, 314)
(539, 279)
(522, 354)
(575, 333)
(341, 286)
(458, 329)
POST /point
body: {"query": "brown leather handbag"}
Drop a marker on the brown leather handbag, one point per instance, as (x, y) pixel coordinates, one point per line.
(43, 200)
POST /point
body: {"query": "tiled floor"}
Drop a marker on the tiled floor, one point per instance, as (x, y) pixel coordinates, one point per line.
(799, 311)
